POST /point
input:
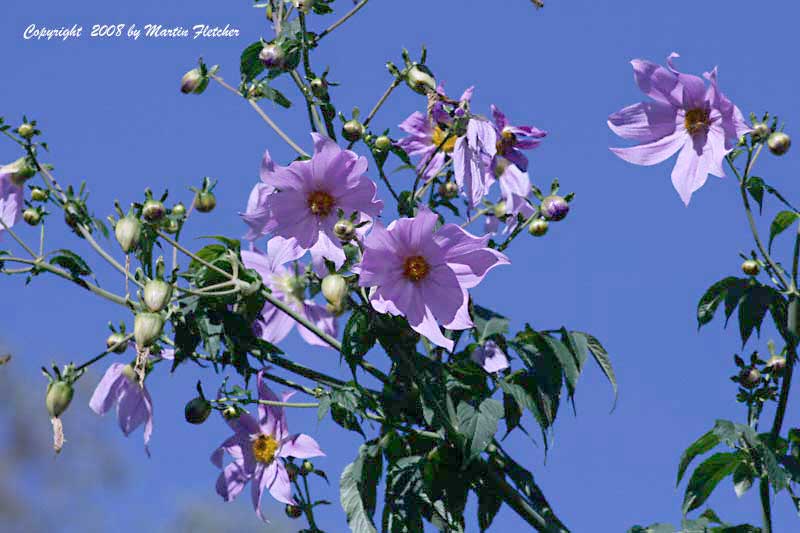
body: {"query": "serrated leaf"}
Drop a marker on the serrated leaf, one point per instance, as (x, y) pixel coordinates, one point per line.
(601, 357)
(704, 444)
(478, 426)
(782, 220)
(71, 261)
(488, 323)
(707, 476)
(359, 520)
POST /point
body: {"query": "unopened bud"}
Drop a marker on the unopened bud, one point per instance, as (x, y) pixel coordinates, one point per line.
(157, 294)
(334, 289)
(319, 87)
(128, 231)
(499, 209)
(352, 130)
(147, 328)
(32, 216)
(179, 210)
(271, 56)
(779, 143)
(39, 195)
(750, 267)
(304, 5)
(197, 410)
(554, 208)
(193, 82)
(344, 230)
(760, 131)
(749, 378)
(776, 364)
(230, 412)
(20, 171)
(205, 201)
(421, 79)
(448, 189)
(153, 211)
(307, 467)
(59, 394)
(118, 340)
(538, 227)
(72, 214)
(383, 143)
(26, 130)
(293, 511)
(171, 226)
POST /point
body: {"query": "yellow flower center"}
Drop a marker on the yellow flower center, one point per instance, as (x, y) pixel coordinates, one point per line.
(438, 138)
(507, 140)
(416, 268)
(320, 203)
(264, 448)
(696, 120)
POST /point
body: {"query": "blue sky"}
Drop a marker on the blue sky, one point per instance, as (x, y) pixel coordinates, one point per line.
(628, 265)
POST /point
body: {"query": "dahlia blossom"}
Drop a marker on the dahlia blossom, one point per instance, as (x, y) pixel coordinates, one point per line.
(12, 198)
(684, 115)
(490, 357)
(258, 448)
(511, 140)
(301, 202)
(134, 406)
(423, 274)
(289, 286)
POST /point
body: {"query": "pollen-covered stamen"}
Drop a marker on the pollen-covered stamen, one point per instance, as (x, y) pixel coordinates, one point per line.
(320, 203)
(416, 268)
(696, 121)
(439, 137)
(506, 141)
(264, 448)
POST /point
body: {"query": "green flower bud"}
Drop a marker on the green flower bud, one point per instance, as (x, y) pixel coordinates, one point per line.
(293, 511)
(538, 227)
(114, 339)
(554, 208)
(197, 410)
(779, 143)
(179, 210)
(39, 195)
(319, 87)
(421, 79)
(194, 82)
(383, 143)
(448, 189)
(334, 289)
(307, 467)
(760, 131)
(59, 394)
(205, 201)
(20, 171)
(171, 226)
(153, 211)
(230, 412)
(776, 364)
(157, 294)
(499, 209)
(32, 216)
(71, 214)
(128, 231)
(750, 378)
(344, 230)
(352, 130)
(26, 130)
(750, 267)
(147, 328)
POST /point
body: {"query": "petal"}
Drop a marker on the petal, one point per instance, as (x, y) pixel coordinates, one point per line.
(276, 479)
(656, 82)
(654, 152)
(644, 122)
(430, 329)
(108, 390)
(231, 481)
(690, 172)
(300, 446)
(417, 125)
(322, 318)
(468, 255)
(443, 295)
(271, 418)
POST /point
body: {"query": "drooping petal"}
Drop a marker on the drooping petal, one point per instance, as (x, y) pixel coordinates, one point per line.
(644, 122)
(276, 479)
(231, 481)
(690, 171)
(108, 390)
(12, 200)
(428, 328)
(654, 152)
(321, 318)
(657, 82)
(300, 446)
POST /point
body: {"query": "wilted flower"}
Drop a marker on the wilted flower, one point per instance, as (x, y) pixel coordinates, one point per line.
(684, 115)
(287, 285)
(134, 406)
(12, 198)
(490, 357)
(424, 274)
(258, 448)
(472, 157)
(511, 140)
(306, 197)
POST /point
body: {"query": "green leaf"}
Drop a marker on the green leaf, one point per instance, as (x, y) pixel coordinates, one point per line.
(707, 476)
(478, 426)
(752, 310)
(742, 479)
(71, 261)
(600, 356)
(755, 186)
(489, 503)
(273, 94)
(713, 297)
(358, 338)
(782, 220)
(250, 66)
(655, 528)
(358, 518)
(704, 444)
(488, 323)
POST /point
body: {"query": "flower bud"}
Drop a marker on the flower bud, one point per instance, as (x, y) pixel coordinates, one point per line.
(352, 130)
(272, 56)
(205, 201)
(179, 210)
(114, 339)
(153, 211)
(293, 511)
(32, 216)
(39, 195)
(71, 214)
(193, 82)
(334, 289)
(147, 328)
(26, 130)
(304, 5)
(59, 394)
(197, 410)
(171, 226)
(750, 267)
(307, 467)
(421, 79)
(345, 230)
(129, 372)
(448, 189)
(760, 131)
(779, 143)
(157, 294)
(554, 208)
(538, 227)
(749, 378)
(128, 232)
(319, 87)
(383, 143)
(292, 470)
(499, 209)
(776, 364)
(230, 412)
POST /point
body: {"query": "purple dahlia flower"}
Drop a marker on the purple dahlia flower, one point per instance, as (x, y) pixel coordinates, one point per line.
(423, 139)
(511, 140)
(258, 447)
(301, 202)
(288, 285)
(424, 274)
(684, 115)
(12, 198)
(134, 406)
(490, 357)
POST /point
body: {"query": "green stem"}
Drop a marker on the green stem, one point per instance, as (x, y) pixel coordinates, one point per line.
(268, 402)
(766, 508)
(313, 115)
(105, 353)
(17, 238)
(309, 507)
(517, 231)
(342, 20)
(378, 105)
(417, 194)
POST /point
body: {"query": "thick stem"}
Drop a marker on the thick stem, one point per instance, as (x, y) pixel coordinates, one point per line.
(766, 507)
